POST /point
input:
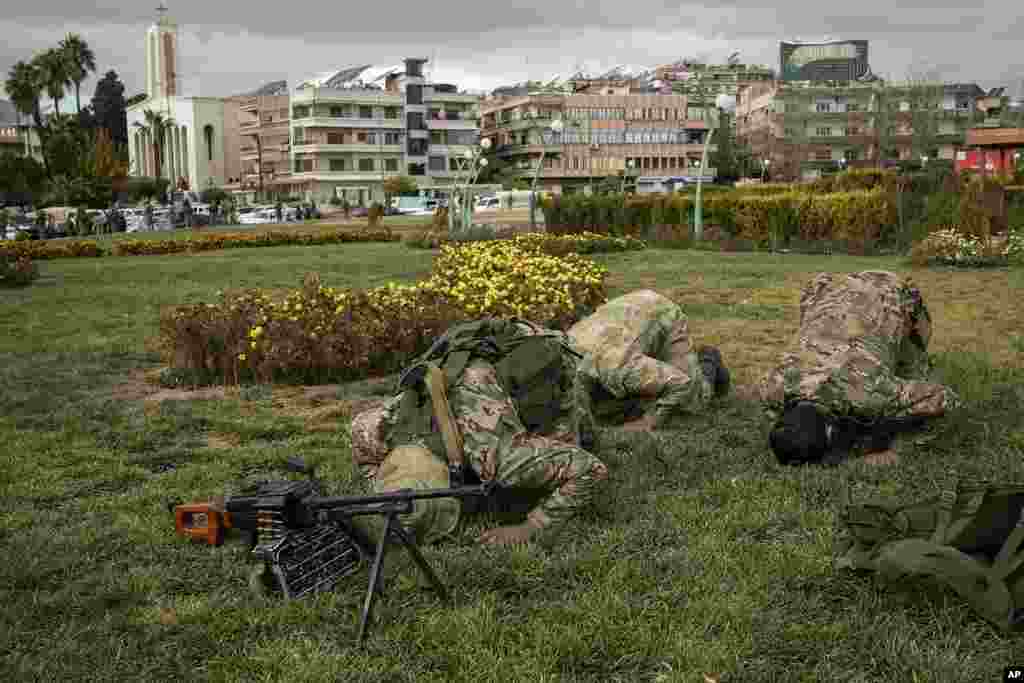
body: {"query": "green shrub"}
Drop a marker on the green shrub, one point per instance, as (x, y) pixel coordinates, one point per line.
(17, 272)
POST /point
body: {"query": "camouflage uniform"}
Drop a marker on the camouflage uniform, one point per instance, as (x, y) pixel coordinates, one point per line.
(861, 350)
(638, 348)
(498, 446)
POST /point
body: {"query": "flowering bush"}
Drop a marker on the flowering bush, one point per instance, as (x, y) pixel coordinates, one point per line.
(317, 333)
(227, 240)
(952, 247)
(17, 272)
(51, 249)
(547, 243)
(42, 250)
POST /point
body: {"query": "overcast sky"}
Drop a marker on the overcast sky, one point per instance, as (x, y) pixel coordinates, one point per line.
(228, 47)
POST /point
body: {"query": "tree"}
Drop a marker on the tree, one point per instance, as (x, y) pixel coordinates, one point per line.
(79, 62)
(398, 185)
(724, 159)
(109, 107)
(924, 95)
(25, 87)
(20, 178)
(54, 73)
(156, 125)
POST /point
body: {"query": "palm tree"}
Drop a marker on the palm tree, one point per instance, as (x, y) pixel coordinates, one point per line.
(24, 85)
(54, 74)
(80, 61)
(156, 125)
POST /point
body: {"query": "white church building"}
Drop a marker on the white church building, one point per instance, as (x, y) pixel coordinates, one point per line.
(200, 135)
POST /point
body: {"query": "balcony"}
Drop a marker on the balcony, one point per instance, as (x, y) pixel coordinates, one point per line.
(361, 148)
(317, 174)
(528, 149)
(449, 124)
(352, 122)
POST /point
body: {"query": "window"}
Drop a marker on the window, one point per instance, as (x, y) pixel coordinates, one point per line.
(853, 106)
(365, 112)
(436, 163)
(301, 112)
(300, 135)
(417, 169)
(453, 164)
(417, 147)
(824, 107)
(338, 165)
(414, 94)
(392, 139)
(208, 136)
(436, 137)
(339, 112)
(823, 132)
(391, 164)
(850, 154)
(391, 112)
(366, 164)
(822, 155)
(851, 131)
(366, 138)
(335, 138)
(303, 165)
(414, 120)
(434, 114)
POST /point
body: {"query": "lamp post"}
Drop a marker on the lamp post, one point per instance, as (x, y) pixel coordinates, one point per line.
(556, 127)
(842, 165)
(924, 160)
(625, 174)
(473, 162)
(722, 103)
(765, 163)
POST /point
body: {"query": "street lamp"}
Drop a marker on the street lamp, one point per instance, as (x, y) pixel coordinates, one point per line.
(842, 165)
(924, 160)
(629, 170)
(722, 103)
(765, 163)
(472, 164)
(556, 127)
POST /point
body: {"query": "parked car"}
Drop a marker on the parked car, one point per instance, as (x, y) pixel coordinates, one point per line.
(258, 217)
(359, 212)
(488, 204)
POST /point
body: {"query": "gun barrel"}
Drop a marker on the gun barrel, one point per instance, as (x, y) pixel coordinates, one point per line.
(327, 502)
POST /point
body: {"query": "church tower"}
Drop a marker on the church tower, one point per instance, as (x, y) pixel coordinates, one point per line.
(161, 56)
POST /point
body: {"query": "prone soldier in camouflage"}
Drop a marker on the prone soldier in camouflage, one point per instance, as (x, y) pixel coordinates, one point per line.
(498, 447)
(860, 354)
(638, 358)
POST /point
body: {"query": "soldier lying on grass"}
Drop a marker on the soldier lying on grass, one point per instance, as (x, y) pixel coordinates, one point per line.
(537, 432)
(638, 364)
(857, 371)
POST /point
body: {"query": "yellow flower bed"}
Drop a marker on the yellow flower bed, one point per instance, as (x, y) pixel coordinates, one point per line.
(316, 333)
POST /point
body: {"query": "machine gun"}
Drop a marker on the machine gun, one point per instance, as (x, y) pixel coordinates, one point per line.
(306, 542)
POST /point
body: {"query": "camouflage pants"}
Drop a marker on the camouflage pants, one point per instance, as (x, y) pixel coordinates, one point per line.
(497, 446)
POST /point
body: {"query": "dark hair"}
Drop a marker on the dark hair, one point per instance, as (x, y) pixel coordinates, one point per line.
(800, 435)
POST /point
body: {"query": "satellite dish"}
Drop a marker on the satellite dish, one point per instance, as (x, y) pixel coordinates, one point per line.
(725, 102)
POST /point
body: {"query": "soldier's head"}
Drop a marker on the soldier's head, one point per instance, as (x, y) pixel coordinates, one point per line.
(802, 434)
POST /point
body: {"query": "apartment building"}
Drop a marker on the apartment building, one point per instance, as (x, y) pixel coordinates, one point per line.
(804, 129)
(614, 130)
(353, 128)
(702, 83)
(265, 168)
(16, 134)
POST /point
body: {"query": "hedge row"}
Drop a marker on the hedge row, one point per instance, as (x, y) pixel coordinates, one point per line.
(51, 249)
(319, 334)
(547, 243)
(861, 215)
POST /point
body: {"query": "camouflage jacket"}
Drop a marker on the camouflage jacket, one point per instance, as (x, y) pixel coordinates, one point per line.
(861, 350)
(637, 347)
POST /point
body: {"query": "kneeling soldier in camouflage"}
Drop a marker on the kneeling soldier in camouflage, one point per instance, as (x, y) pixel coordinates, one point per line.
(506, 384)
(858, 369)
(638, 361)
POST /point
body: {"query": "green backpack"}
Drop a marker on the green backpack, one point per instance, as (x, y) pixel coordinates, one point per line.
(529, 367)
(970, 538)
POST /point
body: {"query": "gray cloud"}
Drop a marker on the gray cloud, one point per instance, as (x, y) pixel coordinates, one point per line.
(226, 48)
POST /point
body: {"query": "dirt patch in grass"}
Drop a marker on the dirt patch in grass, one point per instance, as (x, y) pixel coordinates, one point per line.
(222, 440)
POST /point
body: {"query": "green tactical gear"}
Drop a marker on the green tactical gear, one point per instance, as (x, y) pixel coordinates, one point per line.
(528, 366)
(971, 538)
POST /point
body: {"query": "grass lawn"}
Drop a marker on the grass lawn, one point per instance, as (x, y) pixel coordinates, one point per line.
(706, 559)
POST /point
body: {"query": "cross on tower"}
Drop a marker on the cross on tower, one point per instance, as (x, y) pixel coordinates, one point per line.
(162, 12)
